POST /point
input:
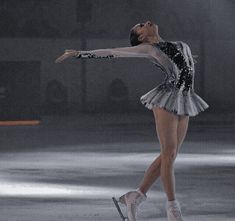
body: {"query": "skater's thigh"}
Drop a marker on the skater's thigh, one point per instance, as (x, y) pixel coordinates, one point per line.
(182, 129)
(166, 127)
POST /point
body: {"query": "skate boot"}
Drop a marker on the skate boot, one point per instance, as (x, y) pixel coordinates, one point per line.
(174, 211)
(131, 199)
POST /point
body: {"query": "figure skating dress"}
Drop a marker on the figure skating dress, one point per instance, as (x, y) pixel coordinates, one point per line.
(176, 93)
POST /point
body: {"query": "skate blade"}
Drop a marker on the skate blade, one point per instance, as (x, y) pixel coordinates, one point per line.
(119, 210)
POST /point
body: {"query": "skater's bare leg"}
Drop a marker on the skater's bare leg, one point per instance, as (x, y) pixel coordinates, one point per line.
(182, 130)
(153, 172)
(166, 126)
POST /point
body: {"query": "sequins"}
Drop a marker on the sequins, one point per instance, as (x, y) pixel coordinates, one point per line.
(91, 55)
(185, 77)
(174, 94)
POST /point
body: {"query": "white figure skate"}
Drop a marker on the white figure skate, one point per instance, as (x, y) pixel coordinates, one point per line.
(131, 199)
(174, 212)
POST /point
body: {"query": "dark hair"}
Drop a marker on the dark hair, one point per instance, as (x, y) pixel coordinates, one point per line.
(134, 38)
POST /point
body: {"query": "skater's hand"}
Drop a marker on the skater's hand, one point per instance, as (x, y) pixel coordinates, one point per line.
(67, 54)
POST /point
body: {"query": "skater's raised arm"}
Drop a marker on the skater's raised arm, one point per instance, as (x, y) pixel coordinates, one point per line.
(141, 50)
(142, 38)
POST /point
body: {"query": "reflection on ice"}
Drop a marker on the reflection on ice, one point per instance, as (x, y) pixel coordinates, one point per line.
(38, 190)
(54, 190)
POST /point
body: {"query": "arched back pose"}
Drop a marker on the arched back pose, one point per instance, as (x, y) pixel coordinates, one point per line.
(172, 103)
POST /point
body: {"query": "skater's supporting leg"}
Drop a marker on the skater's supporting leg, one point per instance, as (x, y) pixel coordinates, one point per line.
(153, 172)
(166, 126)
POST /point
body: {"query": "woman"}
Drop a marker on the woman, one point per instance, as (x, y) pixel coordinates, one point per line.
(172, 103)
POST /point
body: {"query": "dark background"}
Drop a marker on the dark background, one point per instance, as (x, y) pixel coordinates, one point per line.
(39, 31)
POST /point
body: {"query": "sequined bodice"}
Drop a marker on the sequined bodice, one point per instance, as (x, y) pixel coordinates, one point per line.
(185, 78)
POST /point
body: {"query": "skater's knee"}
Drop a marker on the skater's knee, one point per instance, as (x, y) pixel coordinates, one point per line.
(168, 154)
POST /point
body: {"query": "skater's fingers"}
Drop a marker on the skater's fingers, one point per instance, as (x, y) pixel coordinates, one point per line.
(62, 57)
(59, 59)
(69, 50)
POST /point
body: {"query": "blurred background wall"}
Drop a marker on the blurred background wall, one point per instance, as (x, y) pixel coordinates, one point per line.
(39, 31)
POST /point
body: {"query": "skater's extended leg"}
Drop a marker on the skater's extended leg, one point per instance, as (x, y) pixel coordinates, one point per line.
(153, 171)
(151, 174)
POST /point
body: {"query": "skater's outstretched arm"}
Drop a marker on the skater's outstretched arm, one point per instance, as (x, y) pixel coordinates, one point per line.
(142, 50)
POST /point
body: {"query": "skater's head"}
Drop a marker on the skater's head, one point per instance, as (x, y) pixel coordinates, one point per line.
(143, 32)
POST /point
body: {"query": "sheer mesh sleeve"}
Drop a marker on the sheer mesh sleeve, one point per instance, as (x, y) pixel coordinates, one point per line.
(191, 60)
(142, 50)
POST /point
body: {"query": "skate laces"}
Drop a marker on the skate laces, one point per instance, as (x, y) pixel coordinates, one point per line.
(134, 197)
(140, 197)
(175, 210)
(134, 209)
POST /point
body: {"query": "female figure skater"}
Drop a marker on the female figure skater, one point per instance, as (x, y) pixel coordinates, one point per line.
(172, 103)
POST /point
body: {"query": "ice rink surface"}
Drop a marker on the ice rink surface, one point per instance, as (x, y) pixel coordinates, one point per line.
(69, 169)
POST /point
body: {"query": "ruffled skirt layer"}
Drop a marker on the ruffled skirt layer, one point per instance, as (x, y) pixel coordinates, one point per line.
(174, 100)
